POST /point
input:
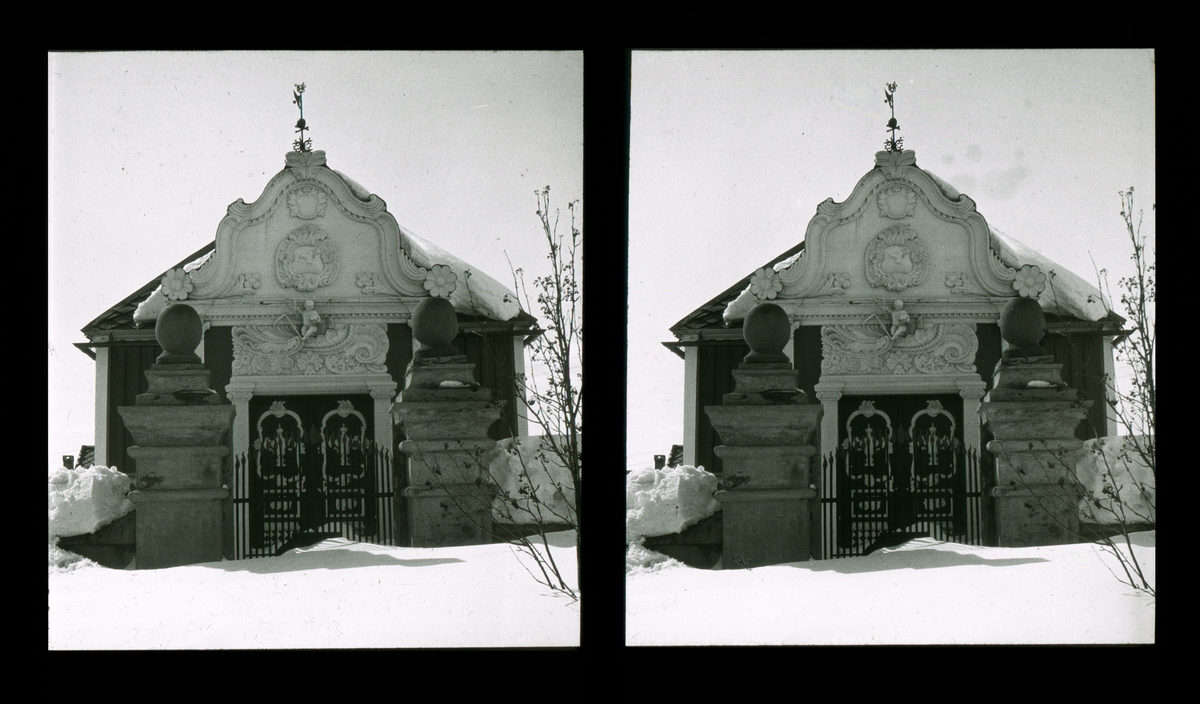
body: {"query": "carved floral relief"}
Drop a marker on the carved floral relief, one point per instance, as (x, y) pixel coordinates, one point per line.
(248, 284)
(366, 281)
(306, 259)
(896, 259)
(837, 283)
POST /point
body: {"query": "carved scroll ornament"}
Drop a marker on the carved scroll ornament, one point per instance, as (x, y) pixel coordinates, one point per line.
(272, 350)
(937, 348)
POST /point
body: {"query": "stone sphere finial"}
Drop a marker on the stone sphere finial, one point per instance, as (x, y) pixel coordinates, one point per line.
(1023, 325)
(178, 331)
(767, 330)
(434, 324)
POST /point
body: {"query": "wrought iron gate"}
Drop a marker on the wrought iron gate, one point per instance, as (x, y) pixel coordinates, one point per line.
(312, 466)
(901, 470)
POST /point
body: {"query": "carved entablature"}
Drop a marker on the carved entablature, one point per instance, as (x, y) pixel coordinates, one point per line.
(933, 348)
(264, 350)
(311, 230)
(901, 229)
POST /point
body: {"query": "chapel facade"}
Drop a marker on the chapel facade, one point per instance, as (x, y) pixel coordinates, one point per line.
(306, 295)
(894, 298)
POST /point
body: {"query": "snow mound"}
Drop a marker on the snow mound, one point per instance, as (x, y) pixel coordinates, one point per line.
(81, 501)
(667, 501)
(1119, 484)
(62, 561)
(526, 467)
(641, 560)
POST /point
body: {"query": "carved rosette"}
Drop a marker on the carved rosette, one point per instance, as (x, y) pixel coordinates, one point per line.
(307, 202)
(896, 202)
(264, 350)
(765, 284)
(306, 259)
(896, 259)
(938, 348)
(176, 285)
(440, 281)
(1029, 281)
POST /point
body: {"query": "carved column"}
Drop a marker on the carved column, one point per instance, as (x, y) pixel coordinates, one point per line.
(446, 416)
(767, 427)
(1033, 416)
(241, 428)
(829, 393)
(180, 427)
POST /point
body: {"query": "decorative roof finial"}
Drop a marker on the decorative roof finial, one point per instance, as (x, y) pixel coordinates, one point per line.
(301, 145)
(893, 144)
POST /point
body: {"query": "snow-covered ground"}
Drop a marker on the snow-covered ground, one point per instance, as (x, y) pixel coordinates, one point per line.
(336, 594)
(924, 592)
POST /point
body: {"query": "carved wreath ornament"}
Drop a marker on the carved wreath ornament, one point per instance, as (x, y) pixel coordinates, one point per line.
(897, 259)
(306, 259)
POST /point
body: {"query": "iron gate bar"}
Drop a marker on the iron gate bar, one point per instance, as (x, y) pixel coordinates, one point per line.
(379, 498)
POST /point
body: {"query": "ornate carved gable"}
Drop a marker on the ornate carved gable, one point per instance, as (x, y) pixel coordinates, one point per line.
(899, 234)
(312, 233)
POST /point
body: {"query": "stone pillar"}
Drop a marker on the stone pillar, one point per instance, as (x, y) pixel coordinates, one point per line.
(446, 416)
(180, 427)
(1033, 415)
(766, 424)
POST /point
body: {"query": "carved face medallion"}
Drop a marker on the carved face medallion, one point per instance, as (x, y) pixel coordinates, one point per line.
(306, 259)
(896, 259)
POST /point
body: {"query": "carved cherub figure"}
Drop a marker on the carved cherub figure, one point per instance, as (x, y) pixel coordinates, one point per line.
(309, 319)
(900, 319)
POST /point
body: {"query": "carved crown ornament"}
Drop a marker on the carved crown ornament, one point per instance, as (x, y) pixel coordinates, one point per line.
(306, 259)
(276, 350)
(896, 202)
(896, 259)
(932, 348)
(307, 202)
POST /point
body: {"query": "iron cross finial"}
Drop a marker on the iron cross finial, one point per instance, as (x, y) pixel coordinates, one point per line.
(892, 144)
(301, 145)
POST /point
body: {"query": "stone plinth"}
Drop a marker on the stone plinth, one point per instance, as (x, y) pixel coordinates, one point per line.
(447, 427)
(769, 499)
(1036, 494)
(180, 429)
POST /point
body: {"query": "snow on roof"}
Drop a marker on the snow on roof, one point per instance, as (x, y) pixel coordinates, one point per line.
(476, 293)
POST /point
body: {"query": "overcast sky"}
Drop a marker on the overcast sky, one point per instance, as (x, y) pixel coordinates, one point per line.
(731, 152)
(147, 150)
